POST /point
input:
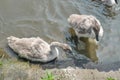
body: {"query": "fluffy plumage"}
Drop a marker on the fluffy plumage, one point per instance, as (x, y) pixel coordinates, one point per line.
(35, 48)
(86, 26)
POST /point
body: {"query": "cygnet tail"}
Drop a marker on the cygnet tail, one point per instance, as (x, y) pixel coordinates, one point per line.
(12, 40)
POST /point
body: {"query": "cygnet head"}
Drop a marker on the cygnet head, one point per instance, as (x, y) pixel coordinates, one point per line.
(98, 29)
(65, 47)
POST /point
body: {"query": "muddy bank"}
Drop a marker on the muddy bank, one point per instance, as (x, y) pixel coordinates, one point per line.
(17, 70)
(66, 67)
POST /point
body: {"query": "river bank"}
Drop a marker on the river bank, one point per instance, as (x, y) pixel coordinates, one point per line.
(69, 69)
(15, 70)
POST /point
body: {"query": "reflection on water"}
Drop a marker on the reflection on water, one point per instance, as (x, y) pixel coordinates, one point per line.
(109, 11)
(90, 48)
(48, 19)
(85, 46)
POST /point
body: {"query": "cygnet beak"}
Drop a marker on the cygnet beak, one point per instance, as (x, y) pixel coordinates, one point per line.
(97, 38)
(116, 1)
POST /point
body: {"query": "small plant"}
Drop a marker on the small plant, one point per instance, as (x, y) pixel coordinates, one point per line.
(1, 58)
(49, 76)
(1, 63)
(110, 78)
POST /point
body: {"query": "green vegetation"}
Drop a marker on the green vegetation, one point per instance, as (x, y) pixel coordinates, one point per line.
(1, 63)
(3, 54)
(110, 78)
(49, 76)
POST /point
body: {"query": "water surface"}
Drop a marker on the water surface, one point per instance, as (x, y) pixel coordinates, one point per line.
(48, 20)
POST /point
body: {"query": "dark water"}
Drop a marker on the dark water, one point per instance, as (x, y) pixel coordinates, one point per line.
(48, 19)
